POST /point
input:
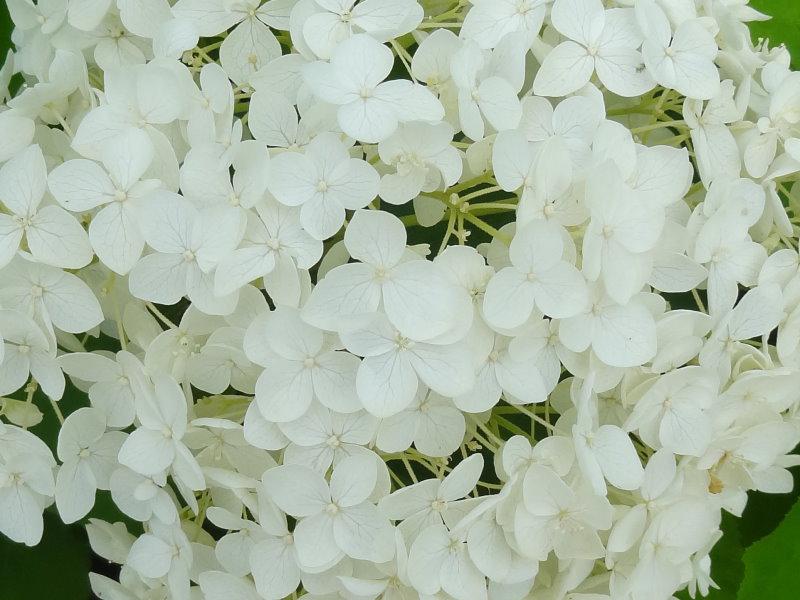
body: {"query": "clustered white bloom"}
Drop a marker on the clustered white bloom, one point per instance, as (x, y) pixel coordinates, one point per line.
(221, 219)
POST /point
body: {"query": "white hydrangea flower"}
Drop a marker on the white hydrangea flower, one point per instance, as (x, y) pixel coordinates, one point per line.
(26, 350)
(188, 244)
(337, 20)
(557, 517)
(416, 301)
(424, 159)
(27, 488)
(81, 185)
(323, 181)
(53, 236)
(156, 445)
(336, 518)
(88, 453)
(488, 22)
(369, 107)
(538, 277)
(682, 59)
(302, 367)
(598, 40)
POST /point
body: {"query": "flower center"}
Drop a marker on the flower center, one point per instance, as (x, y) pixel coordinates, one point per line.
(403, 343)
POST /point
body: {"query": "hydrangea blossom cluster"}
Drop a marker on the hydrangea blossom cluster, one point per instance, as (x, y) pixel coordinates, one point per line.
(438, 299)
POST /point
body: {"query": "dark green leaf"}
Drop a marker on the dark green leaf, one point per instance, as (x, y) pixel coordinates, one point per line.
(783, 26)
(771, 564)
(58, 568)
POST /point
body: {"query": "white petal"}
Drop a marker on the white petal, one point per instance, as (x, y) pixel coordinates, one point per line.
(72, 305)
(147, 452)
(217, 585)
(16, 132)
(363, 533)
(375, 237)
(335, 381)
(274, 569)
(322, 217)
(386, 384)
(23, 181)
(80, 185)
(411, 102)
(561, 291)
(159, 94)
(445, 369)
(622, 71)
(317, 549)
(626, 336)
(56, 238)
(685, 430)
(499, 103)
(353, 480)
(369, 120)
(509, 298)
(617, 457)
(20, 515)
(115, 236)
(440, 430)
(75, 490)
(150, 556)
(297, 490)
(462, 479)
(159, 278)
(292, 181)
(10, 237)
(323, 31)
(579, 20)
(247, 48)
(568, 67)
(272, 119)
(210, 16)
(419, 302)
(345, 292)
(284, 391)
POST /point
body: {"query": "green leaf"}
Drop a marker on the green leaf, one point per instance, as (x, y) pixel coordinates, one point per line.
(5, 31)
(57, 568)
(771, 564)
(783, 26)
(765, 512)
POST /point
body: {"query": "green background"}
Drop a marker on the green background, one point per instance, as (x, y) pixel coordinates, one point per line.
(758, 557)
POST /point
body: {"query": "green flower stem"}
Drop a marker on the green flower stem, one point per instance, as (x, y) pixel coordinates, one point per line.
(56, 410)
(486, 228)
(659, 125)
(483, 192)
(534, 417)
(151, 307)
